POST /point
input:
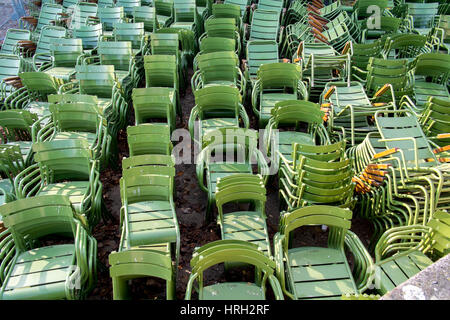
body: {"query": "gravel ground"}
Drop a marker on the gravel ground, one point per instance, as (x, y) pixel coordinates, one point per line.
(190, 202)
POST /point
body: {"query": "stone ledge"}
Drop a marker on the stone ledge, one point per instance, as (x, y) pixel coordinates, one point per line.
(432, 283)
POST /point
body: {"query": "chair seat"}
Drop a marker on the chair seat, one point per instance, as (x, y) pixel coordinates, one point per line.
(268, 101)
(290, 137)
(41, 273)
(103, 104)
(75, 190)
(64, 73)
(151, 222)
(247, 226)
(220, 170)
(233, 291)
(216, 123)
(88, 136)
(319, 273)
(399, 269)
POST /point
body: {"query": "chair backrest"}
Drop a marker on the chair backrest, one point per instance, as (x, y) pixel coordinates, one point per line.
(47, 35)
(217, 98)
(49, 12)
(161, 71)
(105, 3)
(81, 13)
(382, 71)
(363, 7)
(89, 35)
(271, 5)
(184, 10)
(75, 116)
(422, 13)
(220, 65)
(338, 219)
(10, 66)
(345, 94)
(259, 53)
(116, 53)
(34, 217)
(67, 159)
(279, 75)
(139, 188)
(70, 3)
(164, 43)
(290, 112)
(147, 15)
(149, 138)
(40, 82)
(214, 44)
(11, 39)
(110, 15)
(221, 27)
(227, 10)
(133, 32)
(329, 153)
(163, 7)
(434, 65)
(128, 5)
(363, 51)
(407, 45)
(16, 124)
(243, 4)
(265, 25)
(97, 80)
(65, 51)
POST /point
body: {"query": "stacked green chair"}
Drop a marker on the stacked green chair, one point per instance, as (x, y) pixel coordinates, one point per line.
(70, 3)
(244, 6)
(138, 263)
(216, 107)
(33, 96)
(148, 217)
(288, 117)
(169, 44)
(435, 120)
(6, 195)
(222, 28)
(276, 82)
(218, 68)
(382, 71)
(149, 138)
(60, 271)
(203, 8)
(246, 225)
(105, 3)
(186, 16)
(147, 15)
(154, 103)
(311, 181)
(360, 54)
(228, 10)
(50, 13)
(403, 252)
(65, 167)
(321, 273)
(257, 54)
(128, 6)
(162, 71)
(120, 55)
(77, 120)
(65, 55)
(101, 81)
(351, 109)
(213, 44)
(232, 251)
(431, 73)
(16, 131)
(12, 37)
(422, 14)
(10, 67)
(42, 55)
(80, 15)
(164, 11)
(108, 16)
(217, 159)
(388, 26)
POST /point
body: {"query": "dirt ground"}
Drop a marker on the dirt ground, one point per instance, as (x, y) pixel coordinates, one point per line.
(190, 206)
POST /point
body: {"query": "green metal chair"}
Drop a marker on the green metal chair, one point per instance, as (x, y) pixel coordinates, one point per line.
(435, 120)
(246, 225)
(138, 263)
(215, 160)
(10, 67)
(265, 25)
(109, 16)
(61, 271)
(154, 103)
(90, 36)
(276, 82)
(221, 251)
(50, 13)
(321, 272)
(164, 11)
(128, 6)
(216, 107)
(65, 167)
(65, 55)
(12, 37)
(147, 15)
(218, 68)
(186, 16)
